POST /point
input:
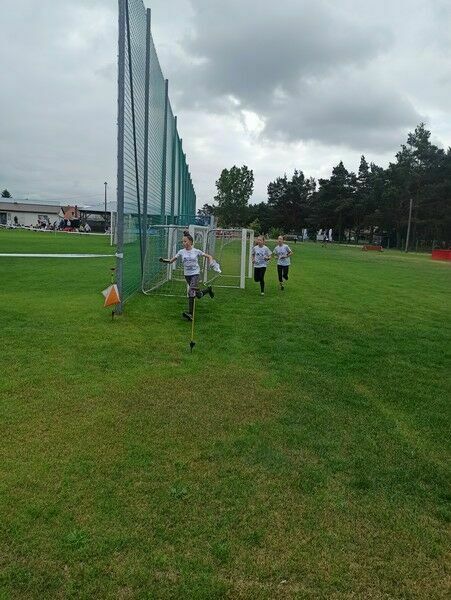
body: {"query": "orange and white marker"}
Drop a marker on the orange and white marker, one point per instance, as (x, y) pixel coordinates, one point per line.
(111, 295)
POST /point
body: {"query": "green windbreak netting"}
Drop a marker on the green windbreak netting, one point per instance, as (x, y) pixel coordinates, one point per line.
(169, 172)
(134, 112)
(154, 183)
(157, 96)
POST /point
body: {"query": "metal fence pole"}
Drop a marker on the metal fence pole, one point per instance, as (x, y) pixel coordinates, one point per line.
(180, 169)
(120, 153)
(165, 145)
(185, 185)
(146, 134)
(173, 153)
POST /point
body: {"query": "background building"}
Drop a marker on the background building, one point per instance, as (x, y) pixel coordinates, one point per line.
(25, 214)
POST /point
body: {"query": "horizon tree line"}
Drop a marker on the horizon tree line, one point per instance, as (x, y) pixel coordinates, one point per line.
(373, 201)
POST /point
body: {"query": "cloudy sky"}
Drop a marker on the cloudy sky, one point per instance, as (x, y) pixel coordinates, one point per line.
(278, 86)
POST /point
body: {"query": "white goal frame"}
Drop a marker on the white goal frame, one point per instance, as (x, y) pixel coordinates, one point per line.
(202, 236)
(244, 235)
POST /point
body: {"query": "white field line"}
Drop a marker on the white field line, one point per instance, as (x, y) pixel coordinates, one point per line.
(57, 255)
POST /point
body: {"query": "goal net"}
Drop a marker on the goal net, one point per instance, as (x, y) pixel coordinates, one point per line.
(229, 247)
(165, 241)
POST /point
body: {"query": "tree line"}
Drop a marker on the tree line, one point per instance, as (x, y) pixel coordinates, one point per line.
(374, 201)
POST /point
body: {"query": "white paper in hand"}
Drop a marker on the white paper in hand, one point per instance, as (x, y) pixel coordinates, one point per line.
(215, 266)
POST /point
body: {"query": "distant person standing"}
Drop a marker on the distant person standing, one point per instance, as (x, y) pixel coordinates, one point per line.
(260, 256)
(282, 252)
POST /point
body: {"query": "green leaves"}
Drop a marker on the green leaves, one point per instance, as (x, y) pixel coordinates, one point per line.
(235, 187)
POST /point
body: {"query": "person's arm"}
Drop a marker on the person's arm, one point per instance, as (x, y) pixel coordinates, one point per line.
(205, 255)
(168, 261)
(253, 255)
(290, 252)
(268, 255)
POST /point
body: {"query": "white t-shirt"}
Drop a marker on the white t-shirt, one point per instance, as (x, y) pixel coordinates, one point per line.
(190, 260)
(281, 252)
(259, 255)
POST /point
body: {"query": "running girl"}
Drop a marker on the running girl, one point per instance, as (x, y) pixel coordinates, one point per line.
(260, 256)
(191, 269)
(283, 253)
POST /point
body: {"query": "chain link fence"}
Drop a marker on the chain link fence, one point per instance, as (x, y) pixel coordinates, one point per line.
(154, 184)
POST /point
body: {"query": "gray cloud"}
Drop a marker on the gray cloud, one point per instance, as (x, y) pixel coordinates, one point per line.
(345, 111)
(58, 98)
(311, 70)
(328, 79)
(250, 57)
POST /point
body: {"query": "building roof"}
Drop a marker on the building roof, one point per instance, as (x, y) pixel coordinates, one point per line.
(30, 208)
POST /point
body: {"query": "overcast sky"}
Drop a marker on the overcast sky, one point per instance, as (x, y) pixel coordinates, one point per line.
(294, 84)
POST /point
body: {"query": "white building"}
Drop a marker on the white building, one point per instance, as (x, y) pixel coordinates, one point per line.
(21, 213)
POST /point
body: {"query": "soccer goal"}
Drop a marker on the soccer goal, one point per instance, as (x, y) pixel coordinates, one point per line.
(165, 241)
(230, 249)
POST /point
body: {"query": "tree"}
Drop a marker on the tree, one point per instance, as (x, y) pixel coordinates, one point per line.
(261, 214)
(417, 174)
(428, 165)
(235, 187)
(206, 210)
(6, 194)
(374, 214)
(362, 197)
(289, 201)
(333, 204)
(375, 200)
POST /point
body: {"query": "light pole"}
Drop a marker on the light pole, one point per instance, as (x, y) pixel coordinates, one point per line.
(105, 217)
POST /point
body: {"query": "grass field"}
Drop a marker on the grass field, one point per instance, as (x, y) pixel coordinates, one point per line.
(301, 451)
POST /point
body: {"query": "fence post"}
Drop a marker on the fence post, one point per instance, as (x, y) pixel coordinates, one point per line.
(180, 199)
(120, 154)
(174, 154)
(146, 135)
(165, 145)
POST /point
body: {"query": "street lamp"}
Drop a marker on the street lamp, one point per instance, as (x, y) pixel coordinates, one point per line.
(105, 184)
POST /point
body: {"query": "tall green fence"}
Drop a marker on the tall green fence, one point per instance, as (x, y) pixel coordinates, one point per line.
(154, 184)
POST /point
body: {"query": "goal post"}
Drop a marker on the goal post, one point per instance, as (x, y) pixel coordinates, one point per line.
(230, 249)
(165, 241)
(251, 245)
(243, 259)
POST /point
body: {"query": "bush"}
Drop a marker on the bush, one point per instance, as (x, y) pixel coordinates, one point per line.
(274, 233)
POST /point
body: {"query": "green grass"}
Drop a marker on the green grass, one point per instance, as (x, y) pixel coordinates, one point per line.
(52, 242)
(301, 451)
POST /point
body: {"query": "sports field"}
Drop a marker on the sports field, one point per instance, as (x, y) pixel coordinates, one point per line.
(301, 451)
